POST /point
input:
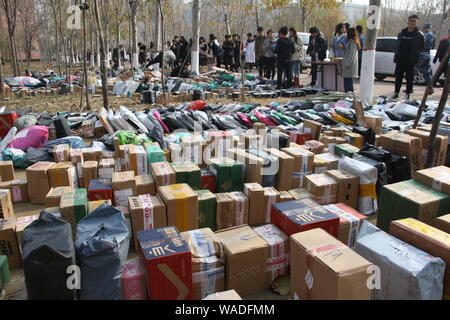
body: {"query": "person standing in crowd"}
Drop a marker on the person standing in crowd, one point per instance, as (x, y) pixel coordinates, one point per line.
(317, 50)
(142, 53)
(350, 59)
(361, 37)
(284, 50)
(259, 50)
(297, 57)
(271, 58)
(425, 57)
(339, 39)
(184, 50)
(250, 57)
(175, 47)
(411, 43)
(228, 52)
(237, 52)
(214, 46)
(115, 58)
(203, 55)
(440, 55)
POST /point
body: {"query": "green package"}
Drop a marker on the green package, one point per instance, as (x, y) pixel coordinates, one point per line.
(129, 137)
(4, 270)
(229, 176)
(411, 199)
(188, 173)
(74, 207)
(207, 204)
(345, 149)
(154, 154)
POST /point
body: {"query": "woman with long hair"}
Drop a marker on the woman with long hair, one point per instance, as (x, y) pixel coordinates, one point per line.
(339, 39)
(297, 56)
(350, 59)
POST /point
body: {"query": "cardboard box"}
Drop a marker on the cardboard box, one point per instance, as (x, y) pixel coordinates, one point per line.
(331, 160)
(441, 144)
(74, 207)
(6, 208)
(208, 180)
(188, 173)
(208, 270)
(345, 149)
(220, 142)
(53, 197)
(373, 122)
(405, 272)
(253, 165)
(278, 262)
(301, 193)
(61, 153)
(163, 174)
(437, 178)
(92, 154)
(229, 174)
(323, 268)
(168, 264)
(323, 187)
(90, 172)
(145, 185)
(207, 209)
(137, 160)
(443, 223)
(154, 154)
(21, 224)
(271, 196)
(411, 199)
(124, 186)
(426, 238)
(225, 295)
(76, 157)
(246, 257)
(38, 181)
(18, 189)
(305, 214)
(349, 224)
(88, 128)
(348, 187)
(285, 169)
(93, 205)
(232, 210)
(404, 145)
(147, 212)
(7, 171)
(8, 242)
(256, 212)
(355, 139)
(315, 146)
(303, 165)
(192, 149)
(106, 168)
(182, 206)
(286, 196)
(100, 189)
(313, 128)
(62, 174)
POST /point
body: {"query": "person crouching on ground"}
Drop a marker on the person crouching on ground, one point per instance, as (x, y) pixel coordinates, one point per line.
(350, 59)
(284, 50)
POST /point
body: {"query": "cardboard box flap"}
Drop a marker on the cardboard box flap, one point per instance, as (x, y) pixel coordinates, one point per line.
(176, 191)
(240, 239)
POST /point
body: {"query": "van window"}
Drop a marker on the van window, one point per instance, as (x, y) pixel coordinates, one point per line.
(386, 45)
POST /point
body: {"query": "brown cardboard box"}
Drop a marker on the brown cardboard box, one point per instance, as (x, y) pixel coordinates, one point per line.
(323, 268)
(38, 181)
(312, 127)
(6, 171)
(255, 194)
(92, 154)
(146, 213)
(320, 166)
(224, 295)
(278, 263)
(21, 224)
(232, 209)
(301, 193)
(6, 208)
(323, 187)
(18, 189)
(441, 145)
(62, 174)
(182, 206)
(145, 185)
(124, 186)
(285, 169)
(303, 165)
(373, 122)
(8, 242)
(87, 128)
(271, 196)
(253, 164)
(93, 205)
(192, 149)
(76, 157)
(443, 223)
(246, 257)
(355, 139)
(315, 146)
(404, 145)
(348, 187)
(90, 172)
(424, 237)
(208, 270)
(252, 140)
(137, 160)
(331, 159)
(106, 168)
(53, 197)
(437, 178)
(286, 196)
(61, 153)
(163, 174)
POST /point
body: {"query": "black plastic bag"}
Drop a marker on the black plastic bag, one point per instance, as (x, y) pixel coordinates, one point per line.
(367, 133)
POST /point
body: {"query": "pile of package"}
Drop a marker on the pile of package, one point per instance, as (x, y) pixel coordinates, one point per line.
(245, 198)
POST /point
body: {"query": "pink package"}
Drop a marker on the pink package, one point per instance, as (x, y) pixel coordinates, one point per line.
(134, 285)
(34, 136)
(265, 119)
(158, 117)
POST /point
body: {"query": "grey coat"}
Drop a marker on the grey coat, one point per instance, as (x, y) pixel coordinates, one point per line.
(350, 61)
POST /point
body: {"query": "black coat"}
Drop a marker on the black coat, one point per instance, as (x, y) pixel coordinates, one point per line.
(442, 49)
(284, 49)
(418, 45)
(228, 49)
(320, 47)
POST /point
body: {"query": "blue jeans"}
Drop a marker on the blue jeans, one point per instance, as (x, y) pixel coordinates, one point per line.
(348, 84)
(296, 68)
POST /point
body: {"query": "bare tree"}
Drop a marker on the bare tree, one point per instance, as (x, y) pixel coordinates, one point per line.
(134, 5)
(11, 9)
(29, 27)
(102, 54)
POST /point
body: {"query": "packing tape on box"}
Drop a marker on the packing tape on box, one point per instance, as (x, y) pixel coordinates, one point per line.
(59, 152)
(207, 280)
(367, 190)
(271, 200)
(204, 248)
(148, 216)
(79, 167)
(181, 211)
(354, 223)
(240, 207)
(166, 174)
(16, 193)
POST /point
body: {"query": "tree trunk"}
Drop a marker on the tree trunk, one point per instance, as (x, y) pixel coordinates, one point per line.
(103, 55)
(195, 37)
(13, 54)
(2, 85)
(158, 32)
(88, 105)
(368, 58)
(227, 24)
(134, 48)
(163, 64)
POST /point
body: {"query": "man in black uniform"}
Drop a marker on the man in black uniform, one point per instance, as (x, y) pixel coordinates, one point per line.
(284, 50)
(410, 43)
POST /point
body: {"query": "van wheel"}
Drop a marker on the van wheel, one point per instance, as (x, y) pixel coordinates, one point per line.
(380, 77)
